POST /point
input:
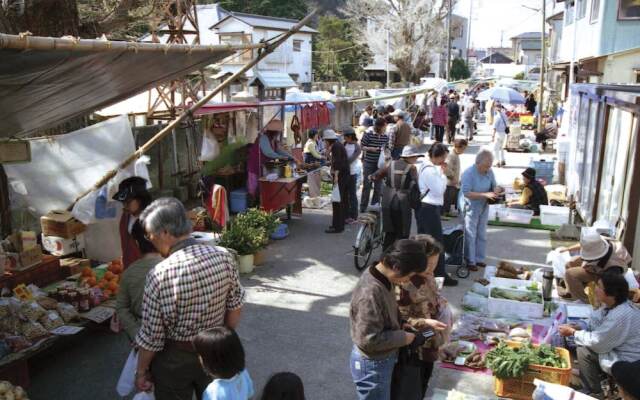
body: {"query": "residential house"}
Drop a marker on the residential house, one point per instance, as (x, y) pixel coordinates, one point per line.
(377, 70)
(474, 56)
(527, 51)
(292, 57)
(602, 37)
(459, 38)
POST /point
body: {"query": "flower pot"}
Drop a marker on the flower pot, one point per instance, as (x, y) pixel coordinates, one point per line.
(245, 264)
(259, 258)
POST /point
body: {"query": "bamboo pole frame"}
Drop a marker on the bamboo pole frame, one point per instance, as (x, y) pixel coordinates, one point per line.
(267, 49)
(26, 42)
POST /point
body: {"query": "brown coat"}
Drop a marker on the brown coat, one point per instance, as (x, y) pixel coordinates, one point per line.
(403, 135)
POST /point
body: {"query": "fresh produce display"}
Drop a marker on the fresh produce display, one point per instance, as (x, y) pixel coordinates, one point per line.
(475, 360)
(529, 296)
(512, 362)
(109, 283)
(506, 270)
(10, 392)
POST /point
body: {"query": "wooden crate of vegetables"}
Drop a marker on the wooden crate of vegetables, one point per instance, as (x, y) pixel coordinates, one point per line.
(516, 365)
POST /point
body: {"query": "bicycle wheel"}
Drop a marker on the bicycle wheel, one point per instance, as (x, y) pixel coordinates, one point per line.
(363, 247)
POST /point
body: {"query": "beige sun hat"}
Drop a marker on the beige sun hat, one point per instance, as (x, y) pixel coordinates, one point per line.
(593, 246)
(411, 151)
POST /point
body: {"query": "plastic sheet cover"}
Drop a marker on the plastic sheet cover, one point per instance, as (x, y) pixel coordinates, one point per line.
(42, 88)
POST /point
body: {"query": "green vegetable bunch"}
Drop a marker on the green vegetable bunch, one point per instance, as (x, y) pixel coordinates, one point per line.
(259, 219)
(517, 295)
(512, 362)
(243, 237)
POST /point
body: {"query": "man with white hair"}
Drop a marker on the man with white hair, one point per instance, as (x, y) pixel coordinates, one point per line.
(478, 184)
(195, 288)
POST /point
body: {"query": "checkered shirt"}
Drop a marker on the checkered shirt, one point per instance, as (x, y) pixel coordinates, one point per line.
(187, 293)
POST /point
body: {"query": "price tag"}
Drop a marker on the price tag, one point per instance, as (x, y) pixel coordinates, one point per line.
(67, 330)
(99, 314)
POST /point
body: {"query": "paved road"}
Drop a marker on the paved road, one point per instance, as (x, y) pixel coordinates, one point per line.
(296, 318)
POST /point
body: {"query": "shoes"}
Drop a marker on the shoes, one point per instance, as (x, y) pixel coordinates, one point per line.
(333, 230)
(449, 281)
(472, 267)
(481, 265)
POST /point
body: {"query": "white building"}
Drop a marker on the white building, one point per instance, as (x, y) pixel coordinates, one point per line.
(527, 51)
(459, 38)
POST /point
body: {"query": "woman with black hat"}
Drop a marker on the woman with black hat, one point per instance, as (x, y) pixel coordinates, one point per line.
(533, 194)
(133, 194)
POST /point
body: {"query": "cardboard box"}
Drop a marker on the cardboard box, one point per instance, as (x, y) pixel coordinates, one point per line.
(61, 224)
(23, 240)
(14, 151)
(72, 266)
(59, 246)
(29, 258)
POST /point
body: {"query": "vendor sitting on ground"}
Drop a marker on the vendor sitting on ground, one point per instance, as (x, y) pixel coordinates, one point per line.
(270, 141)
(612, 334)
(533, 194)
(597, 255)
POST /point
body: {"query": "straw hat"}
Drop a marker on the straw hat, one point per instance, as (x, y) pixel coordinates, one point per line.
(593, 246)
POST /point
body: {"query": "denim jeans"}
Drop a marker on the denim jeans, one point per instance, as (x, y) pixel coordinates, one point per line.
(372, 377)
(369, 169)
(475, 231)
(429, 222)
(353, 197)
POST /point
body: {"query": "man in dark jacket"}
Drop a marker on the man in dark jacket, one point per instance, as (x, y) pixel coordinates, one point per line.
(341, 177)
(533, 194)
(453, 109)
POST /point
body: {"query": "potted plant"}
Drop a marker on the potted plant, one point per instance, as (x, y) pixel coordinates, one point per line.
(245, 240)
(263, 220)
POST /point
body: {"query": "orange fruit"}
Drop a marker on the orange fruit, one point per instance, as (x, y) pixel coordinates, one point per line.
(115, 278)
(109, 275)
(87, 271)
(102, 284)
(91, 281)
(112, 286)
(117, 269)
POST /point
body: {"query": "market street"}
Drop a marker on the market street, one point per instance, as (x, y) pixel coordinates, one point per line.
(296, 316)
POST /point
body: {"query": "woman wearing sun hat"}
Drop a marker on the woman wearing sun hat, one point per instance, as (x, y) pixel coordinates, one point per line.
(597, 254)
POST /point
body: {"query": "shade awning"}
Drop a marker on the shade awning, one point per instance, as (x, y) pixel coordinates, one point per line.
(45, 85)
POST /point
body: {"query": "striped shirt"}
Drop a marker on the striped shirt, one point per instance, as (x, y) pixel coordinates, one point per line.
(373, 139)
(188, 292)
(613, 334)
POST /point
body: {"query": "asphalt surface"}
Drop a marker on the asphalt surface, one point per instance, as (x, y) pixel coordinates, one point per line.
(296, 316)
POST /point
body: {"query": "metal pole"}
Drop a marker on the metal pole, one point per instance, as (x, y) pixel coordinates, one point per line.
(469, 29)
(388, 49)
(449, 42)
(573, 54)
(543, 63)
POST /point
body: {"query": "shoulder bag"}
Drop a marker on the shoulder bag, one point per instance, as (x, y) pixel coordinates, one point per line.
(506, 126)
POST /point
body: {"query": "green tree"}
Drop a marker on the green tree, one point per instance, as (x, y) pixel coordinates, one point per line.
(295, 9)
(459, 69)
(337, 56)
(519, 76)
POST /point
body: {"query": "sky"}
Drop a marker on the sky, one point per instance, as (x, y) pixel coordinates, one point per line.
(490, 17)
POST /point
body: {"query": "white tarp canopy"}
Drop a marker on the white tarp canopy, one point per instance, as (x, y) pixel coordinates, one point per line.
(64, 166)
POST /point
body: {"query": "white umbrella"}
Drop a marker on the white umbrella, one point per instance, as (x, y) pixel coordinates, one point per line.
(502, 94)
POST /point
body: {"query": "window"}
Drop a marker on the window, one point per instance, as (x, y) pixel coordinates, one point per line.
(628, 9)
(569, 7)
(240, 57)
(595, 11)
(582, 9)
(297, 45)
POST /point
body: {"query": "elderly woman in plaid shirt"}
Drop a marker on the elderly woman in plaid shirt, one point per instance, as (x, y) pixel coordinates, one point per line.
(194, 289)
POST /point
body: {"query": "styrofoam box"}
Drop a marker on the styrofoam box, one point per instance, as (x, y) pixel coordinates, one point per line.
(506, 283)
(493, 211)
(61, 247)
(551, 215)
(513, 308)
(515, 215)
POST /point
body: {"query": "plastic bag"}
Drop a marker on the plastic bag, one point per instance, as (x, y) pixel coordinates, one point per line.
(475, 302)
(558, 261)
(335, 194)
(382, 158)
(127, 381)
(144, 396)
(480, 289)
(210, 147)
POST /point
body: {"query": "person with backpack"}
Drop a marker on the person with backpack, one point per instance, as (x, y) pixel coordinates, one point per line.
(401, 177)
(453, 111)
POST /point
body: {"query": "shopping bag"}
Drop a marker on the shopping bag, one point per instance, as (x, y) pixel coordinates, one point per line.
(127, 381)
(335, 194)
(382, 158)
(406, 381)
(210, 147)
(144, 396)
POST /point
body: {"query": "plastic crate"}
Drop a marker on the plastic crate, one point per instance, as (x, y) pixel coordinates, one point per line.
(493, 211)
(522, 388)
(550, 215)
(515, 215)
(514, 308)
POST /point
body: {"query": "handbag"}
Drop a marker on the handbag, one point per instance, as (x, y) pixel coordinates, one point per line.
(335, 194)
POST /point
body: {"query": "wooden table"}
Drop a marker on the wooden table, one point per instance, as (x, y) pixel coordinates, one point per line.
(282, 194)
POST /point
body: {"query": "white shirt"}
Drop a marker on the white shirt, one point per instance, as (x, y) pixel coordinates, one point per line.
(500, 122)
(363, 116)
(432, 178)
(350, 149)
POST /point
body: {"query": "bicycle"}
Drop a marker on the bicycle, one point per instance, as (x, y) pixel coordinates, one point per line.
(370, 237)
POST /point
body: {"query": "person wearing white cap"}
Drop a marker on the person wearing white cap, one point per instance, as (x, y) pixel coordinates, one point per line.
(597, 254)
(400, 136)
(341, 176)
(401, 177)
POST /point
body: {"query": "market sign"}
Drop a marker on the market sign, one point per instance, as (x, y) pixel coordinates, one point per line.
(15, 151)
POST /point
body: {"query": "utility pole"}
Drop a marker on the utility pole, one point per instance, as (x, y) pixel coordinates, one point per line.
(469, 29)
(449, 42)
(543, 63)
(388, 48)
